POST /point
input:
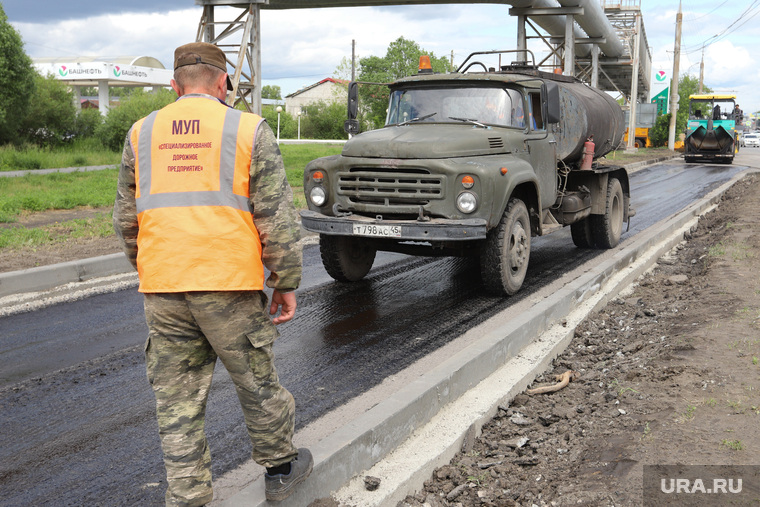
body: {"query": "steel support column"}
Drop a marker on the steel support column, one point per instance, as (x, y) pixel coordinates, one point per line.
(569, 60)
(243, 55)
(634, 86)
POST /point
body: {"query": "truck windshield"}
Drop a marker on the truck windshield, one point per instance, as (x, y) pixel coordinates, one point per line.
(717, 109)
(490, 106)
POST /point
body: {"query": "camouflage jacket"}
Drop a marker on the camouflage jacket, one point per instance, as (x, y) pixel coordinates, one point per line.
(271, 200)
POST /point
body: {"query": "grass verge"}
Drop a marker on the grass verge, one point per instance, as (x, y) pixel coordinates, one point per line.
(88, 152)
(97, 189)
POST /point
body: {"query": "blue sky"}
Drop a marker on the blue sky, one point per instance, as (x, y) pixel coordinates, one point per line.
(303, 46)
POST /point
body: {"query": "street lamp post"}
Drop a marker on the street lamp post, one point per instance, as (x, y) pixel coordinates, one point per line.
(299, 125)
(279, 110)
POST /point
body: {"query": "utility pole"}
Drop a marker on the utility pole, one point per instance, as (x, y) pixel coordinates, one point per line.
(674, 84)
(702, 72)
(353, 59)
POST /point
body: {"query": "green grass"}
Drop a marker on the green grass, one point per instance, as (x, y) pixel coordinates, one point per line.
(296, 156)
(100, 226)
(736, 445)
(79, 154)
(42, 192)
(95, 189)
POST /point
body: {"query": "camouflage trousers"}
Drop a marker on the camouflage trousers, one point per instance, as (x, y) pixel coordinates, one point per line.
(187, 332)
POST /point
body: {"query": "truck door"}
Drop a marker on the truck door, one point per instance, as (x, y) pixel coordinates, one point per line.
(542, 148)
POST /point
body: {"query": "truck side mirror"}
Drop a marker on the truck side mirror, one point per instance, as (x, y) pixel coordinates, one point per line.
(351, 127)
(551, 99)
(353, 100)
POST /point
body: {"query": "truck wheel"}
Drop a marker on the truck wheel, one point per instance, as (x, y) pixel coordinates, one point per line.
(640, 143)
(606, 228)
(581, 233)
(346, 259)
(505, 254)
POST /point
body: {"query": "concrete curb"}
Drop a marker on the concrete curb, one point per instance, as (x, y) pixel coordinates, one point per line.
(362, 443)
(48, 277)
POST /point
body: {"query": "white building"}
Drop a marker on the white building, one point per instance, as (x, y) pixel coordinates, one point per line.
(327, 90)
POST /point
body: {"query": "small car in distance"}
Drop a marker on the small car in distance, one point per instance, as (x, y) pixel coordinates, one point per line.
(751, 140)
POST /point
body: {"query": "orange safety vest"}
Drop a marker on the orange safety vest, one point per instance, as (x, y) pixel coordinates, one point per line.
(196, 230)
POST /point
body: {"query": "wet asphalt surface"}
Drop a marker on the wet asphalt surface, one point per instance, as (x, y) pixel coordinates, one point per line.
(76, 411)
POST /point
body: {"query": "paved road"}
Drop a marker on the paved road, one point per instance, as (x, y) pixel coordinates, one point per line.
(77, 412)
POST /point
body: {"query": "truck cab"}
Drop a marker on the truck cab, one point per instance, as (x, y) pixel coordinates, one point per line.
(471, 164)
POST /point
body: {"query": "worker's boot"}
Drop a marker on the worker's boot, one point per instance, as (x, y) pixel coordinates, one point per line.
(280, 486)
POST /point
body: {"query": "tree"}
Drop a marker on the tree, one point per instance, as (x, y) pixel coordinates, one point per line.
(658, 134)
(271, 92)
(343, 70)
(51, 115)
(323, 120)
(16, 80)
(400, 60)
(138, 104)
(288, 124)
(687, 85)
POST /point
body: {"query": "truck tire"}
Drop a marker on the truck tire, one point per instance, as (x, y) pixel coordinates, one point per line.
(581, 233)
(607, 228)
(640, 143)
(346, 259)
(504, 256)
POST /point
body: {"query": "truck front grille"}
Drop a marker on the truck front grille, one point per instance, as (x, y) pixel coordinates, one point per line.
(390, 187)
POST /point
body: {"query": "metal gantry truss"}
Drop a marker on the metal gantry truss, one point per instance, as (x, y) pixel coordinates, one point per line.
(627, 74)
(243, 52)
(614, 74)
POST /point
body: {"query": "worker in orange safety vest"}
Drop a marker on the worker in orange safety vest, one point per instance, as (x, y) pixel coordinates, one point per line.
(202, 207)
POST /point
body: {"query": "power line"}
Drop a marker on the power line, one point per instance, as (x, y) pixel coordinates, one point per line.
(728, 30)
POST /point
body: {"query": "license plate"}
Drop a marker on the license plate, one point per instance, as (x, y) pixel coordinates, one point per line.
(383, 231)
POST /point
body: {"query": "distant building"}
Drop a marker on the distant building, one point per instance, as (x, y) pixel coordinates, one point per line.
(328, 90)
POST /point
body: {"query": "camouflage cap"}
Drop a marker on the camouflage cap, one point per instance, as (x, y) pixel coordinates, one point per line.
(201, 52)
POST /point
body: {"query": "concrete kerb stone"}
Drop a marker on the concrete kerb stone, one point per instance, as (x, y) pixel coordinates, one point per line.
(369, 439)
(47, 277)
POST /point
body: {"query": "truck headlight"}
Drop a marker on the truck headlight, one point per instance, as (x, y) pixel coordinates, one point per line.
(318, 196)
(467, 202)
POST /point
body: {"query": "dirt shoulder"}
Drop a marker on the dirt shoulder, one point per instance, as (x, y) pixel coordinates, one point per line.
(64, 249)
(667, 374)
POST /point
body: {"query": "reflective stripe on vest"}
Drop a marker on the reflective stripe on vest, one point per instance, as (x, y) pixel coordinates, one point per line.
(222, 197)
(196, 231)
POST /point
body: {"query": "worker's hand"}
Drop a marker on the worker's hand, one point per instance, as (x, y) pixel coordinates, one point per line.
(286, 303)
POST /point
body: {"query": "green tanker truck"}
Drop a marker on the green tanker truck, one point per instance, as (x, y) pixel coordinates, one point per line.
(471, 163)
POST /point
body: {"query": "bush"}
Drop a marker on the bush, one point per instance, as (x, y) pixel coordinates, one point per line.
(324, 120)
(87, 123)
(288, 124)
(659, 133)
(51, 115)
(119, 120)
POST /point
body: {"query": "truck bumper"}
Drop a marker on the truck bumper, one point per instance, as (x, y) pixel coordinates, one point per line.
(409, 230)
